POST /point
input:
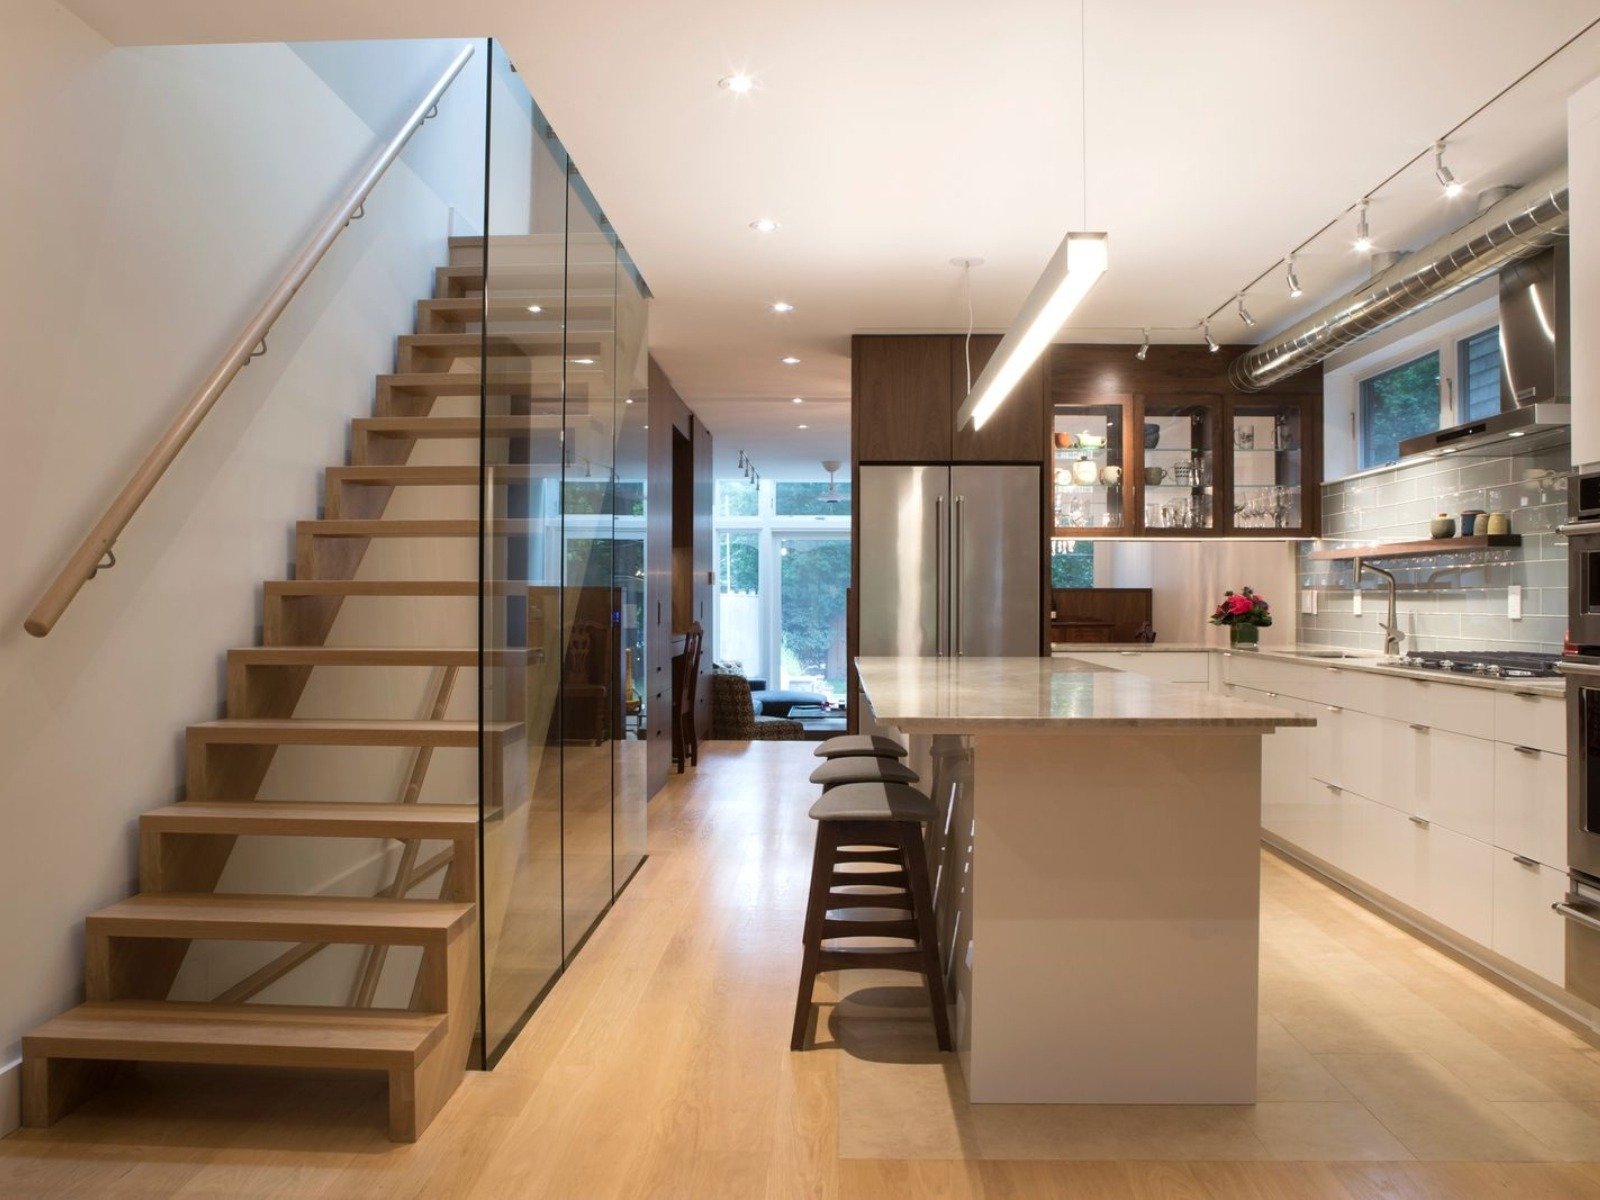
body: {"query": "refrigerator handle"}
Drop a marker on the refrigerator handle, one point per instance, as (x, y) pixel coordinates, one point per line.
(955, 582)
(938, 576)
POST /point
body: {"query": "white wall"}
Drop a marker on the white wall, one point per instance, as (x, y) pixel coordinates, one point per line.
(1189, 579)
(1583, 173)
(150, 198)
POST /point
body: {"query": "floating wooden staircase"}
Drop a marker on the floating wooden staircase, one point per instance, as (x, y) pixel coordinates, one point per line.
(136, 948)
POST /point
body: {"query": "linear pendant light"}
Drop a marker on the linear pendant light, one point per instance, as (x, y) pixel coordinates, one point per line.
(1074, 268)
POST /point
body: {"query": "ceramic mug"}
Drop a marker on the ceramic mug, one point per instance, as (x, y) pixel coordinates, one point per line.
(1497, 523)
(1085, 471)
(1065, 441)
(1469, 522)
(1111, 476)
(1154, 475)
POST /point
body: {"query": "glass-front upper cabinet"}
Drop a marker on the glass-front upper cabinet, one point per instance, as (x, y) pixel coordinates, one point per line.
(1272, 476)
(1093, 453)
(1182, 466)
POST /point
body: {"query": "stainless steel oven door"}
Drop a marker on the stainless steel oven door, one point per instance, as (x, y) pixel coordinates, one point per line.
(1583, 583)
(1581, 908)
(1583, 766)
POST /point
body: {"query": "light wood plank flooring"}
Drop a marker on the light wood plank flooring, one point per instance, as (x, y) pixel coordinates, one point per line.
(659, 1067)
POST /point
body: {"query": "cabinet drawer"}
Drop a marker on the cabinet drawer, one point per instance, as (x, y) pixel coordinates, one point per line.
(1443, 776)
(1530, 803)
(1523, 719)
(1525, 929)
(1452, 706)
(1358, 690)
(1347, 749)
(1267, 675)
(1451, 878)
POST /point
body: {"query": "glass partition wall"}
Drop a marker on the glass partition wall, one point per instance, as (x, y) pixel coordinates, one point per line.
(562, 460)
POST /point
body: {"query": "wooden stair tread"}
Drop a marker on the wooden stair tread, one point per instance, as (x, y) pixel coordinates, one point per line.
(396, 527)
(542, 341)
(314, 818)
(303, 731)
(501, 383)
(369, 656)
(407, 475)
(375, 587)
(237, 1034)
(360, 919)
(458, 427)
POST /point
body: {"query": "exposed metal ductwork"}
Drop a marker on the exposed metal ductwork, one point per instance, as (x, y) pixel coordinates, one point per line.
(1522, 224)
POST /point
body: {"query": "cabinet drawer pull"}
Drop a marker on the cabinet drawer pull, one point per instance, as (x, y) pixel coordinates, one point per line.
(1522, 860)
(1422, 728)
(1527, 695)
(1335, 670)
(1529, 750)
(1128, 653)
(1422, 821)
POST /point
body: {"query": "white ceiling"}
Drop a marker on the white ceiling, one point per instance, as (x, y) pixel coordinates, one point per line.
(890, 136)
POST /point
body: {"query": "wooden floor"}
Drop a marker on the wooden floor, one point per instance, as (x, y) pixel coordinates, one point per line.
(659, 1067)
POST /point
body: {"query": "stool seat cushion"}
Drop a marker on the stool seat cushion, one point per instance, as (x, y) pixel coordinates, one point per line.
(860, 769)
(852, 745)
(873, 802)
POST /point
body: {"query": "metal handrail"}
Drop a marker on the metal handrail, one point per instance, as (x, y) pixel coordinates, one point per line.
(94, 551)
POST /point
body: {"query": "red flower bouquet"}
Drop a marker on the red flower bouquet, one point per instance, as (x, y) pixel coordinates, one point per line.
(1244, 613)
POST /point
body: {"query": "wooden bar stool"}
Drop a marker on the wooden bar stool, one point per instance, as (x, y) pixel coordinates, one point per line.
(860, 769)
(854, 822)
(860, 745)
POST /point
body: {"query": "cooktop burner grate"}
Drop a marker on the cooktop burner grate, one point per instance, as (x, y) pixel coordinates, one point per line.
(1498, 664)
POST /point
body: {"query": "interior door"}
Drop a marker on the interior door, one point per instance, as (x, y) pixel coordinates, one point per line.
(996, 548)
(905, 512)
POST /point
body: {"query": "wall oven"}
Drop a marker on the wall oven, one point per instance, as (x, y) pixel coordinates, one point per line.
(1581, 906)
(1583, 561)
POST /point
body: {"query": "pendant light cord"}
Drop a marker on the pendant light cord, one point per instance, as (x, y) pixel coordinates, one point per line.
(966, 279)
(1083, 102)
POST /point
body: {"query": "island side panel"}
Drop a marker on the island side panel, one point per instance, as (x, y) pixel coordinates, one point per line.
(1115, 888)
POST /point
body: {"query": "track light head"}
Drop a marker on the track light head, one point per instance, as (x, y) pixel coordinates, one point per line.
(1295, 290)
(1144, 347)
(1211, 342)
(1363, 242)
(1244, 313)
(1451, 185)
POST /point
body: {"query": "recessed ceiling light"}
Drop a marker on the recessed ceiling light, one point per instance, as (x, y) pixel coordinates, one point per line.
(798, 400)
(789, 360)
(782, 306)
(764, 225)
(738, 83)
(534, 308)
(628, 400)
(802, 427)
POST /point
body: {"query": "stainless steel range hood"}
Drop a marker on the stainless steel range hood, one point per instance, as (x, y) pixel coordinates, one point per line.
(1535, 380)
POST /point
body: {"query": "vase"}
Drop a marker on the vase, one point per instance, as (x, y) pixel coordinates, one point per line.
(1244, 635)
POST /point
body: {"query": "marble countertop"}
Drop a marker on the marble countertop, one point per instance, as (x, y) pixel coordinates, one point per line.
(1369, 661)
(966, 695)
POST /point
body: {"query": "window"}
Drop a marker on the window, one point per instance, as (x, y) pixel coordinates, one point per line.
(737, 498)
(1478, 374)
(1071, 564)
(738, 627)
(1397, 404)
(811, 500)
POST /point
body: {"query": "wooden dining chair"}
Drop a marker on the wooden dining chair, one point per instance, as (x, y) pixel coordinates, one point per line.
(688, 688)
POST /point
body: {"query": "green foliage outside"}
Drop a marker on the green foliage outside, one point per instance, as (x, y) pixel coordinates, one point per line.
(805, 500)
(1396, 405)
(1073, 568)
(598, 497)
(814, 575)
(737, 498)
(739, 562)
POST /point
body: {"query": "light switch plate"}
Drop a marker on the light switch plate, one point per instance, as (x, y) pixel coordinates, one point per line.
(1355, 603)
(1514, 602)
(1308, 602)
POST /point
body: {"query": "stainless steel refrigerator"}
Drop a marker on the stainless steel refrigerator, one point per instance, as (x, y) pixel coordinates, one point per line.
(950, 560)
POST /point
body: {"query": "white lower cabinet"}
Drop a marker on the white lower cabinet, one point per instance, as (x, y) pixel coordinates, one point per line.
(1530, 813)
(1526, 930)
(1346, 748)
(1451, 879)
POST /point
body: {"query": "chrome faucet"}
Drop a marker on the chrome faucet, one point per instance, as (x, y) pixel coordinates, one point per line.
(1392, 637)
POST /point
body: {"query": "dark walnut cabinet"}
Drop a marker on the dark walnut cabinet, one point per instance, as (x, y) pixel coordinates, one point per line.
(905, 391)
(1167, 448)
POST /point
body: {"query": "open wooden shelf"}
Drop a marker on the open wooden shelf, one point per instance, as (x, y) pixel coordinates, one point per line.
(1450, 545)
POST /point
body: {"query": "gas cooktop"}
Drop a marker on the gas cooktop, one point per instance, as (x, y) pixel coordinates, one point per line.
(1497, 664)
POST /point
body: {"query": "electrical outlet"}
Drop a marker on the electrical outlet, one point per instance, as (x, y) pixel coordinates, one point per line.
(1308, 602)
(1355, 603)
(1514, 602)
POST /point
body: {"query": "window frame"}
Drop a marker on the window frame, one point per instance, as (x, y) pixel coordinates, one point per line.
(1446, 340)
(1461, 365)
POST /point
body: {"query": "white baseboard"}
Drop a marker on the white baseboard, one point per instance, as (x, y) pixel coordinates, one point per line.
(10, 1096)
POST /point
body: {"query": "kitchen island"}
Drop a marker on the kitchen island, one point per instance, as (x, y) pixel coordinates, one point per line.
(1097, 873)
